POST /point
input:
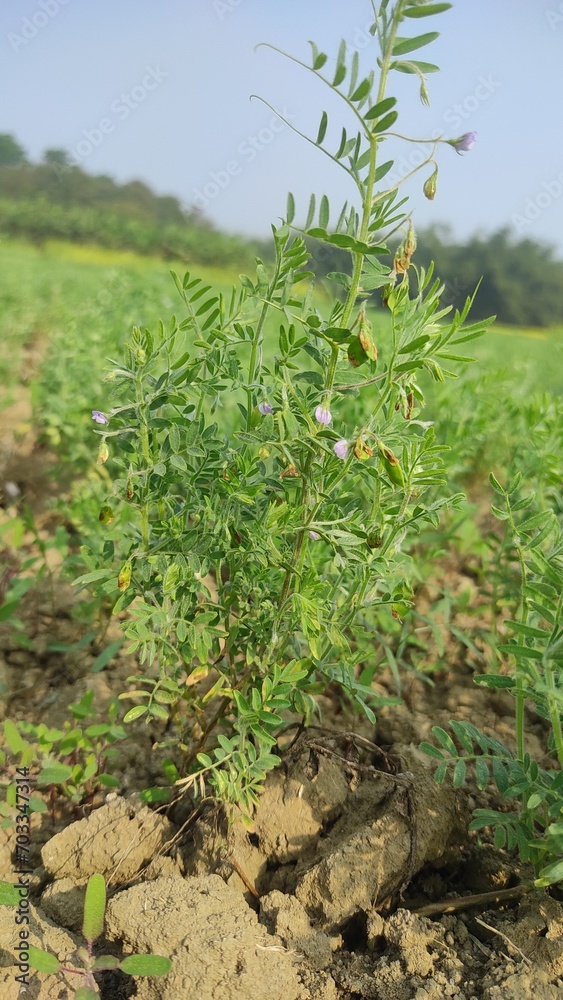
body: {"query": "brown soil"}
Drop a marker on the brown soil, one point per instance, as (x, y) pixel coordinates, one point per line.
(318, 901)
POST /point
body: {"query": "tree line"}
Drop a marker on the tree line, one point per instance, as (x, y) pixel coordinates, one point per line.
(521, 281)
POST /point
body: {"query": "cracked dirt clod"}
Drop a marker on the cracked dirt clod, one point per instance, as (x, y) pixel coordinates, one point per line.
(364, 857)
(218, 948)
(116, 841)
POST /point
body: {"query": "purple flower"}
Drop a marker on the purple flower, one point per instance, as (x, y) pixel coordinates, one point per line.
(99, 417)
(265, 408)
(314, 535)
(464, 143)
(341, 449)
(323, 415)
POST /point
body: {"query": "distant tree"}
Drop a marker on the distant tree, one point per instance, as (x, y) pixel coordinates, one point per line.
(56, 158)
(11, 153)
(521, 281)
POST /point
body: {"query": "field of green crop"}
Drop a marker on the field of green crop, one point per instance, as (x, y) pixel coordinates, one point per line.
(74, 306)
(69, 308)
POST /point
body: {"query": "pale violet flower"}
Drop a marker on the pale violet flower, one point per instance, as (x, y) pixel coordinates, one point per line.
(341, 449)
(323, 415)
(265, 408)
(464, 143)
(99, 417)
(314, 535)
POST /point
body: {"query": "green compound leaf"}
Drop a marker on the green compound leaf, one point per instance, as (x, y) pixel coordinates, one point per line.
(94, 908)
(43, 961)
(146, 965)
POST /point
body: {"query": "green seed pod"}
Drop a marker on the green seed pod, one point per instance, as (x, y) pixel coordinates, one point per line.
(374, 538)
(394, 472)
(124, 578)
(391, 465)
(106, 514)
(356, 354)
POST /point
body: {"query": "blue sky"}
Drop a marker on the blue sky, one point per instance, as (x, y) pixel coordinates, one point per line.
(160, 91)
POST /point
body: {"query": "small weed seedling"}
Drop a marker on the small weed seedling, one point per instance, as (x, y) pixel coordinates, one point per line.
(70, 761)
(92, 927)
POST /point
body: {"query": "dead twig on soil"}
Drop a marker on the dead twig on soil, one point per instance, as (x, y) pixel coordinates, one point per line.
(481, 899)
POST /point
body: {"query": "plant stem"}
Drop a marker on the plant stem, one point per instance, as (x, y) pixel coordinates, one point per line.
(255, 363)
(351, 298)
(146, 455)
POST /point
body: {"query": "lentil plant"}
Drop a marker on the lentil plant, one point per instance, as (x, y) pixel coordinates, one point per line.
(271, 468)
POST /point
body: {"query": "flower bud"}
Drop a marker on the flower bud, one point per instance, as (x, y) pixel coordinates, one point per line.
(265, 408)
(464, 142)
(103, 453)
(340, 449)
(263, 453)
(314, 536)
(424, 93)
(429, 186)
(99, 417)
(323, 415)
